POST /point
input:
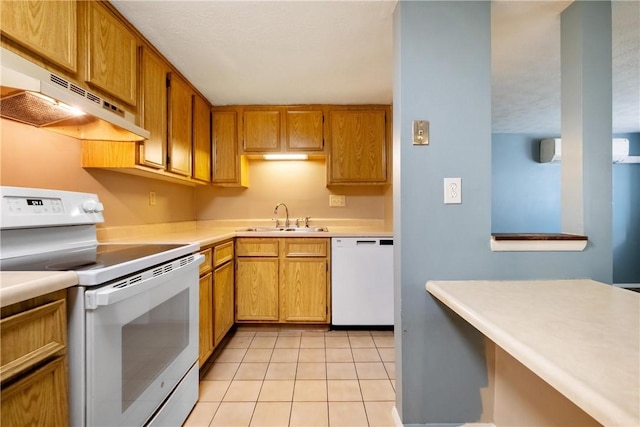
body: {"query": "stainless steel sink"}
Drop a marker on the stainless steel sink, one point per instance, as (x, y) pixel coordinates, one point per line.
(288, 229)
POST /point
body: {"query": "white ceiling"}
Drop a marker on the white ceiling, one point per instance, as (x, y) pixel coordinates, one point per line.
(341, 52)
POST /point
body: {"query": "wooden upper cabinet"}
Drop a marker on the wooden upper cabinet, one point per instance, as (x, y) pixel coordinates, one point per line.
(227, 163)
(111, 55)
(153, 108)
(357, 147)
(47, 28)
(304, 130)
(261, 130)
(201, 139)
(180, 122)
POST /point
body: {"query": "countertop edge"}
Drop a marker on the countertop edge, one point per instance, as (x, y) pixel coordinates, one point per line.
(591, 401)
(17, 286)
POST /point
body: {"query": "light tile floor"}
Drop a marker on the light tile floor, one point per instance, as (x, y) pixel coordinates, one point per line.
(280, 378)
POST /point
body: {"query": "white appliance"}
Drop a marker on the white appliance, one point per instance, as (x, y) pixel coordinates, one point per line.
(362, 281)
(133, 319)
(551, 151)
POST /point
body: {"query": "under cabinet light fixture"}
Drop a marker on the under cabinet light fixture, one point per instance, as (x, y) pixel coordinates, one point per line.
(285, 156)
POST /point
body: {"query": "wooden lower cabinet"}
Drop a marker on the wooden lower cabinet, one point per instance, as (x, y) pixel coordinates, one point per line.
(216, 297)
(33, 362)
(223, 297)
(304, 290)
(38, 399)
(257, 289)
(282, 280)
(206, 318)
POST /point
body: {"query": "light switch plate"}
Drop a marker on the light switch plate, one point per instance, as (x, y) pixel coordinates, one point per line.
(420, 132)
(452, 191)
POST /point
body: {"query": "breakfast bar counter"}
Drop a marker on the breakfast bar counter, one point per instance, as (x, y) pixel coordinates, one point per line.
(582, 337)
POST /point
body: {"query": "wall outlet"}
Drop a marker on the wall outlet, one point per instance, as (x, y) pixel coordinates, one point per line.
(152, 198)
(452, 191)
(337, 201)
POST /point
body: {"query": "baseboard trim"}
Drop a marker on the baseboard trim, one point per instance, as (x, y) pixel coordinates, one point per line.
(396, 417)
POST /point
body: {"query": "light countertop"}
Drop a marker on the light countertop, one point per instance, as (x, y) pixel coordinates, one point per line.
(19, 286)
(16, 286)
(208, 233)
(582, 337)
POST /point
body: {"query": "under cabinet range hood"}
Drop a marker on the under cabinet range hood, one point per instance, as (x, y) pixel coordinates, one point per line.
(33, 95)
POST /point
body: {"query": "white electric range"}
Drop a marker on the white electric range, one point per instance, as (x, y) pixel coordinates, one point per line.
(133, 318)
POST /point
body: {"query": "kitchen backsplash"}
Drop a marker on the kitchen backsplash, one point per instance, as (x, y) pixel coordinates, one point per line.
(31, 157)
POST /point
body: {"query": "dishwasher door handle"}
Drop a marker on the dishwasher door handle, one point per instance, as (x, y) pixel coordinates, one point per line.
(366, 242)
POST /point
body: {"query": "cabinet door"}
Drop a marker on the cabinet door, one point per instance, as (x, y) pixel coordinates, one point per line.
(47, 28)
(223, 301)
(201, 139)
(226, 165)
(257, 289)
(39, 399)
(112, 55)
(153, 109)
(304, 130)
(180, 121)
(261, 130)
(357, 151)
(304, 290)
(206, 318)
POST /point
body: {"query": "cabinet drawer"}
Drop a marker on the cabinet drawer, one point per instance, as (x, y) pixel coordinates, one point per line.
(205, 267)
(298, 247)
(31, 337)
(257, 247)
(223, 253)
(37, 399)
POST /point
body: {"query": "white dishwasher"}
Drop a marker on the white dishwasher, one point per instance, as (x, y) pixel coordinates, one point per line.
(362, 281)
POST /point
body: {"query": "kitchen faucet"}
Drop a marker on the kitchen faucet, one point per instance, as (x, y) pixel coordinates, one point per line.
(286, 209)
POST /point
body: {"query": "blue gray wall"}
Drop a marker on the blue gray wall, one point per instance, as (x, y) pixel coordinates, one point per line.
(525, 193)
(526, 197)
(442, 73)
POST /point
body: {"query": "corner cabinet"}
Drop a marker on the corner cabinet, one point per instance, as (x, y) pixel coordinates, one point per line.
(33, 362)
(282, 280)
(216, 297)
(47, 28)
(229, 168)
(358, 146)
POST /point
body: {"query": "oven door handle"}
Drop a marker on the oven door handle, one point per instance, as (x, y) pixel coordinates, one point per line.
(139, 283)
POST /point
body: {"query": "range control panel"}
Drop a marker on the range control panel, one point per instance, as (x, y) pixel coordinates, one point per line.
(35, 207)
(32, 206)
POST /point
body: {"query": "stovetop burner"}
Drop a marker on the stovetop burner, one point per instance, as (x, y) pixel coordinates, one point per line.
(97, 257)
(54, 230)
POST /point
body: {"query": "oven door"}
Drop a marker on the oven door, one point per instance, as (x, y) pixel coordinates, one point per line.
(142, 338)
